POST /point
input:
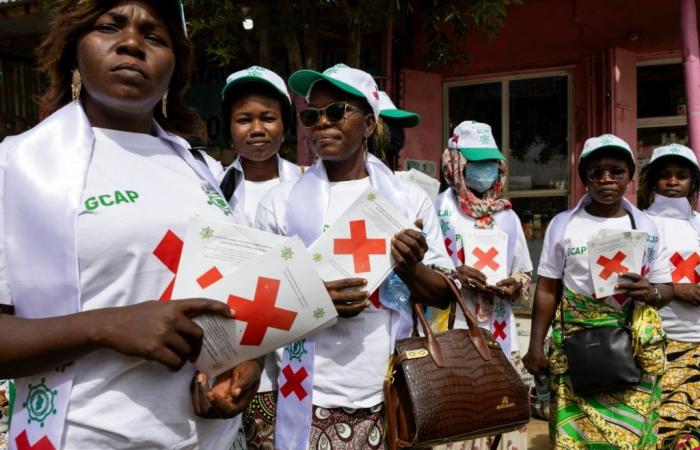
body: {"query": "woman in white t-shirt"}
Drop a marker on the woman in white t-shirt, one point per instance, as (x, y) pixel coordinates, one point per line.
(668, 189)
(342, 368)
(473, 168)
(95, 201)
(258, 112)
(624, 418)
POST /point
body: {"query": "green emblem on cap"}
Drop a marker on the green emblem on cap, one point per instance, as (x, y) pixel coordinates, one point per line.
(296, 350)
(606, 139)
(207, 233)
(484, 135)
(334, 69)
(40, 402)
(674, 148)
(256, 71)
(287, 253)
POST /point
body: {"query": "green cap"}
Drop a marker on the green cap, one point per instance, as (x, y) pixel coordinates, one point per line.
(388, 110)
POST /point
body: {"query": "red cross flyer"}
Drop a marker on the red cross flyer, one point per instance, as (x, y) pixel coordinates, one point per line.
(358, 244)
(429, 184)
(487, 251)
(612, 253)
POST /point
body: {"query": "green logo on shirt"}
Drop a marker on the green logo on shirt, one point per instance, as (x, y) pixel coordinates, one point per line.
(92, 203)
(214, 199)
(576, 251)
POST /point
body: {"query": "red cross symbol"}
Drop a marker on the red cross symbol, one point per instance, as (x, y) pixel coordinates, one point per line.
(22, 441)
(499, 329)
(685, 268)
(209, 277)
(485, 259)
(359, 246)
(293, 383)
(168, 252)
(261, 313)
(611, 266)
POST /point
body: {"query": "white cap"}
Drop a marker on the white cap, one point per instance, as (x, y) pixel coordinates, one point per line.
(353, 81)
(674, 150)
(257, 74)
(475, 141)
(605, 141)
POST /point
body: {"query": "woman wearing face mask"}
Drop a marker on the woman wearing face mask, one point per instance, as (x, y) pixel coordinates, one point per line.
(257, 108)
(668, 189)
(622, 418)
(95, 201)
(343, 368)
(473, 168)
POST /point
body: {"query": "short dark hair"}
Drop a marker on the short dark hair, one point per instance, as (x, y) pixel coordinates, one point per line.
(58, 57)
(605, 152)
(236, 93)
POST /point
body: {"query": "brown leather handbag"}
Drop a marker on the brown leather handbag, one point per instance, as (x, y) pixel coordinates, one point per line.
(451, 386)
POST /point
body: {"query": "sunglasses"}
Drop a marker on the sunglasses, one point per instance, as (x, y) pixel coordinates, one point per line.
(600, 174)
(335, 112)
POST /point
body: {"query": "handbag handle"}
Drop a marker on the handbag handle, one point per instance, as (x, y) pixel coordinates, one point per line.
(475, 335)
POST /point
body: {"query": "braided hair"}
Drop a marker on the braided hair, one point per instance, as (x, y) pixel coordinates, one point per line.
(651, 173)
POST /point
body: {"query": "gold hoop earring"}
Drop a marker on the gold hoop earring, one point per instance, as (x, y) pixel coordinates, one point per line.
(76, 85)
(164, 104)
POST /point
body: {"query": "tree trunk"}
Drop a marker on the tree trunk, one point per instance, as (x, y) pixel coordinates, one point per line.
(310, 35)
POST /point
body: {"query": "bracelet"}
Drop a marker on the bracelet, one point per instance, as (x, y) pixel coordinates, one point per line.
(657, 297)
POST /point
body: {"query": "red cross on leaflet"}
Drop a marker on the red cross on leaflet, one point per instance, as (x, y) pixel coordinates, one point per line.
(485, 258)
(359, 246)
(611, 266)
(209, 277)
(22, 441)
(619, 298)
(293, 383)
(499, 329)
(168, 252)
(374, 298)
(261, 313)
(685, 268)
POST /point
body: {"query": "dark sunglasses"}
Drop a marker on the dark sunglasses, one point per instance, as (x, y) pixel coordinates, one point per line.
(599, 174)
(335, 112)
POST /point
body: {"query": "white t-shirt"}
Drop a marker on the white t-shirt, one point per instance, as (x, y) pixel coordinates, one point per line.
(254, 191)
(352, 356)
(576, 271)
(681, 319)
(137, 189)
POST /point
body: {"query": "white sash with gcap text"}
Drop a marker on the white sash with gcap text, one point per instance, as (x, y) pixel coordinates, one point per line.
(44, 180)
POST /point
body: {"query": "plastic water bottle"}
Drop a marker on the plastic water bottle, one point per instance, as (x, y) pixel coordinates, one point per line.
(395, 293)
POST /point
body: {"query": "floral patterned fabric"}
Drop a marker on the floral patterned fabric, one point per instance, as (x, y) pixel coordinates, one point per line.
(612, 420)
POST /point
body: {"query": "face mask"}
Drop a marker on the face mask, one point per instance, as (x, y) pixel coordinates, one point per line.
(481, 175)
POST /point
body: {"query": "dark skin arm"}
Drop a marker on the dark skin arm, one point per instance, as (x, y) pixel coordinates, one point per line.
(547, 295)
(640, 289)
(155, 331)
(687, 292)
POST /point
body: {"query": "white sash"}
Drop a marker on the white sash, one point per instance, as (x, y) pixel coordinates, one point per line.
(674, 208)
(44, 180)
(306, 210)
(285, 169)
(452, 222)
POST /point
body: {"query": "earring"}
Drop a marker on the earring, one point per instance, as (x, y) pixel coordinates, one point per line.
(76, 85)
(164, 105)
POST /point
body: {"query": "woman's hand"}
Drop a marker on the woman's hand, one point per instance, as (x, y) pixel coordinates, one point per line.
(348, 297)
(408, 247)
(231, 393)
(535, 362)
(507, 288)
(157, 331)
(472, 277)
(636, 287)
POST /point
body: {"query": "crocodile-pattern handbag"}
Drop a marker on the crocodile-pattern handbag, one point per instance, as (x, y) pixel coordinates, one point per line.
(451, 386)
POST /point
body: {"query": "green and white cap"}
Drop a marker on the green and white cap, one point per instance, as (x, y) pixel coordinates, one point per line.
(475, 141)
(388, 110)
(352, 81)
(605, 141)
(674, 150)
(257, 74)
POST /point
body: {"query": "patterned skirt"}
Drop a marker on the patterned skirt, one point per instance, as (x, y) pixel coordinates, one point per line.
(331, 428)
(680, 405)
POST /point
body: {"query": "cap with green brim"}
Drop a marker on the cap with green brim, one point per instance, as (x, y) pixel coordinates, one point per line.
(387, 110)
(257, 74)
(475, 141)
(677, 150)
(605, 141)
(352, 81)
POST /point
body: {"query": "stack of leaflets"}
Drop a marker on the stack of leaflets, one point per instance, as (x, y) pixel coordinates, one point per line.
(612, 253)
(429, 184)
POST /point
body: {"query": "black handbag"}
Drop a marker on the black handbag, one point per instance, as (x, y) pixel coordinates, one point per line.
(600, 359)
